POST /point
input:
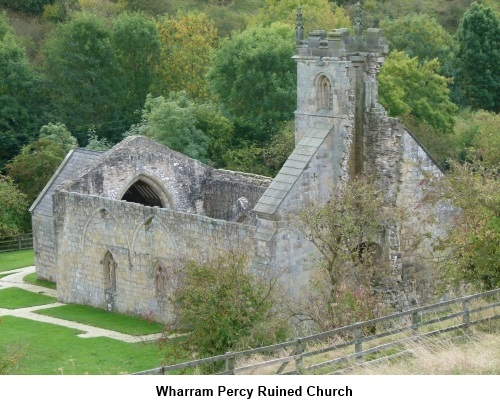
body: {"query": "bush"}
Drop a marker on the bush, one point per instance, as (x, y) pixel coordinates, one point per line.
(220, 305)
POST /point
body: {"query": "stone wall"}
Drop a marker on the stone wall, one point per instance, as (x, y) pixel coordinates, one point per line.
(44, 244)
(139, 238)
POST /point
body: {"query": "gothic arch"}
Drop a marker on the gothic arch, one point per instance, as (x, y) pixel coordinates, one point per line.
(160, 280)
(146, 190)
(109, 271)
(324, 92)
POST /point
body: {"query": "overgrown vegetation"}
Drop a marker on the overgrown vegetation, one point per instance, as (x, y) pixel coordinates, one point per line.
(219, 305)
(346, 227)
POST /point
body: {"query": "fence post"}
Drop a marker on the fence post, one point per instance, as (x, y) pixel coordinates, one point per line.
(358, 345)
(19, 241)
(466, 311)
(414, 324)
(299, 361)
(230, 360)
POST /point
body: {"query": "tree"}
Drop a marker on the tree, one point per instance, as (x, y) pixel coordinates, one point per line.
(85, 80)
(255, 78)
(478, 58)
(136, 41)
(472, 247)
(345, 227)
(35, 165)
(318, 14)
(421, 36)
(187, 42)
(59, 134)
(19, 112)
(220, 305)
(407, 87)
(172, 122)
(14, 210)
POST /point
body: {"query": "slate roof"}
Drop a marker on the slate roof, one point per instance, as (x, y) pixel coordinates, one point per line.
(291, 171)
(71, 167)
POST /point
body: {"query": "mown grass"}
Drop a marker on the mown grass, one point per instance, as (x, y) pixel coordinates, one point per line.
(32, 279)
(16, 260)
(103, 319)
(50, 349)
(13, 298)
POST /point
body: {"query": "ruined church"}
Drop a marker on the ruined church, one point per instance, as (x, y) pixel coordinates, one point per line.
(107, 225)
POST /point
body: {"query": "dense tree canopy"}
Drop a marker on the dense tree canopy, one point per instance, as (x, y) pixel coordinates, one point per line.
(14, 208)
(409, 88)
(137, 45)
(18, 94)
(85, 80)
(187, 42)
(479, 57)
(35, 165)
(255, 78)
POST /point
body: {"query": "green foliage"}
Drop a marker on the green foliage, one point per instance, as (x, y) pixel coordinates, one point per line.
(85, 81)
(421, 36)
(345, 227)
(187, 42)
(136, 41)
(14, 210)
(29, 7)
(318, 14)
(255, 78)
(477, 136)
(18, 94)
(279, 148)
(406, 87)
(35, 165)
(478, 57)
(96, 143)
(222, 306)
(472, 247)
(172, 122)
(59, 134)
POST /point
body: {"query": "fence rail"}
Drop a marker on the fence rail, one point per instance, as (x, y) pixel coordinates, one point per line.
(20, 242)
(337, 349)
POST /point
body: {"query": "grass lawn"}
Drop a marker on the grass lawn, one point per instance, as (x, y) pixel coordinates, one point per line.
(32, 279)
(52, 349)
(12, 298)
(103, 319)
(16, 260)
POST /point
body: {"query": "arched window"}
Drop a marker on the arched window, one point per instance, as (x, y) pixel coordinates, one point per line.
(324, 93)
(160, 281)
(109, 271)
(142, 193)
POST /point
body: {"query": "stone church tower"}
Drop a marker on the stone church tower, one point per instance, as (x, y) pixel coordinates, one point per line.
(342, 131)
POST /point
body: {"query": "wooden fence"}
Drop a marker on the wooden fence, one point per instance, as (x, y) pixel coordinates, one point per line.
(20, 242)
(330, 352)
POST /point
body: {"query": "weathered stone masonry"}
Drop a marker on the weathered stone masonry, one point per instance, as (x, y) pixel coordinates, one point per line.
(108, 225)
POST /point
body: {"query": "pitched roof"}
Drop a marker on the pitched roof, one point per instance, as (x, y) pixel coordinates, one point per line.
(291, 170)
(71, 167)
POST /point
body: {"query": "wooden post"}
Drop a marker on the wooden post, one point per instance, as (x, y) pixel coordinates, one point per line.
(299, 361)
(466, 311)
(19, 241)
(358, 346)
(414, 324)
(230, 360)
